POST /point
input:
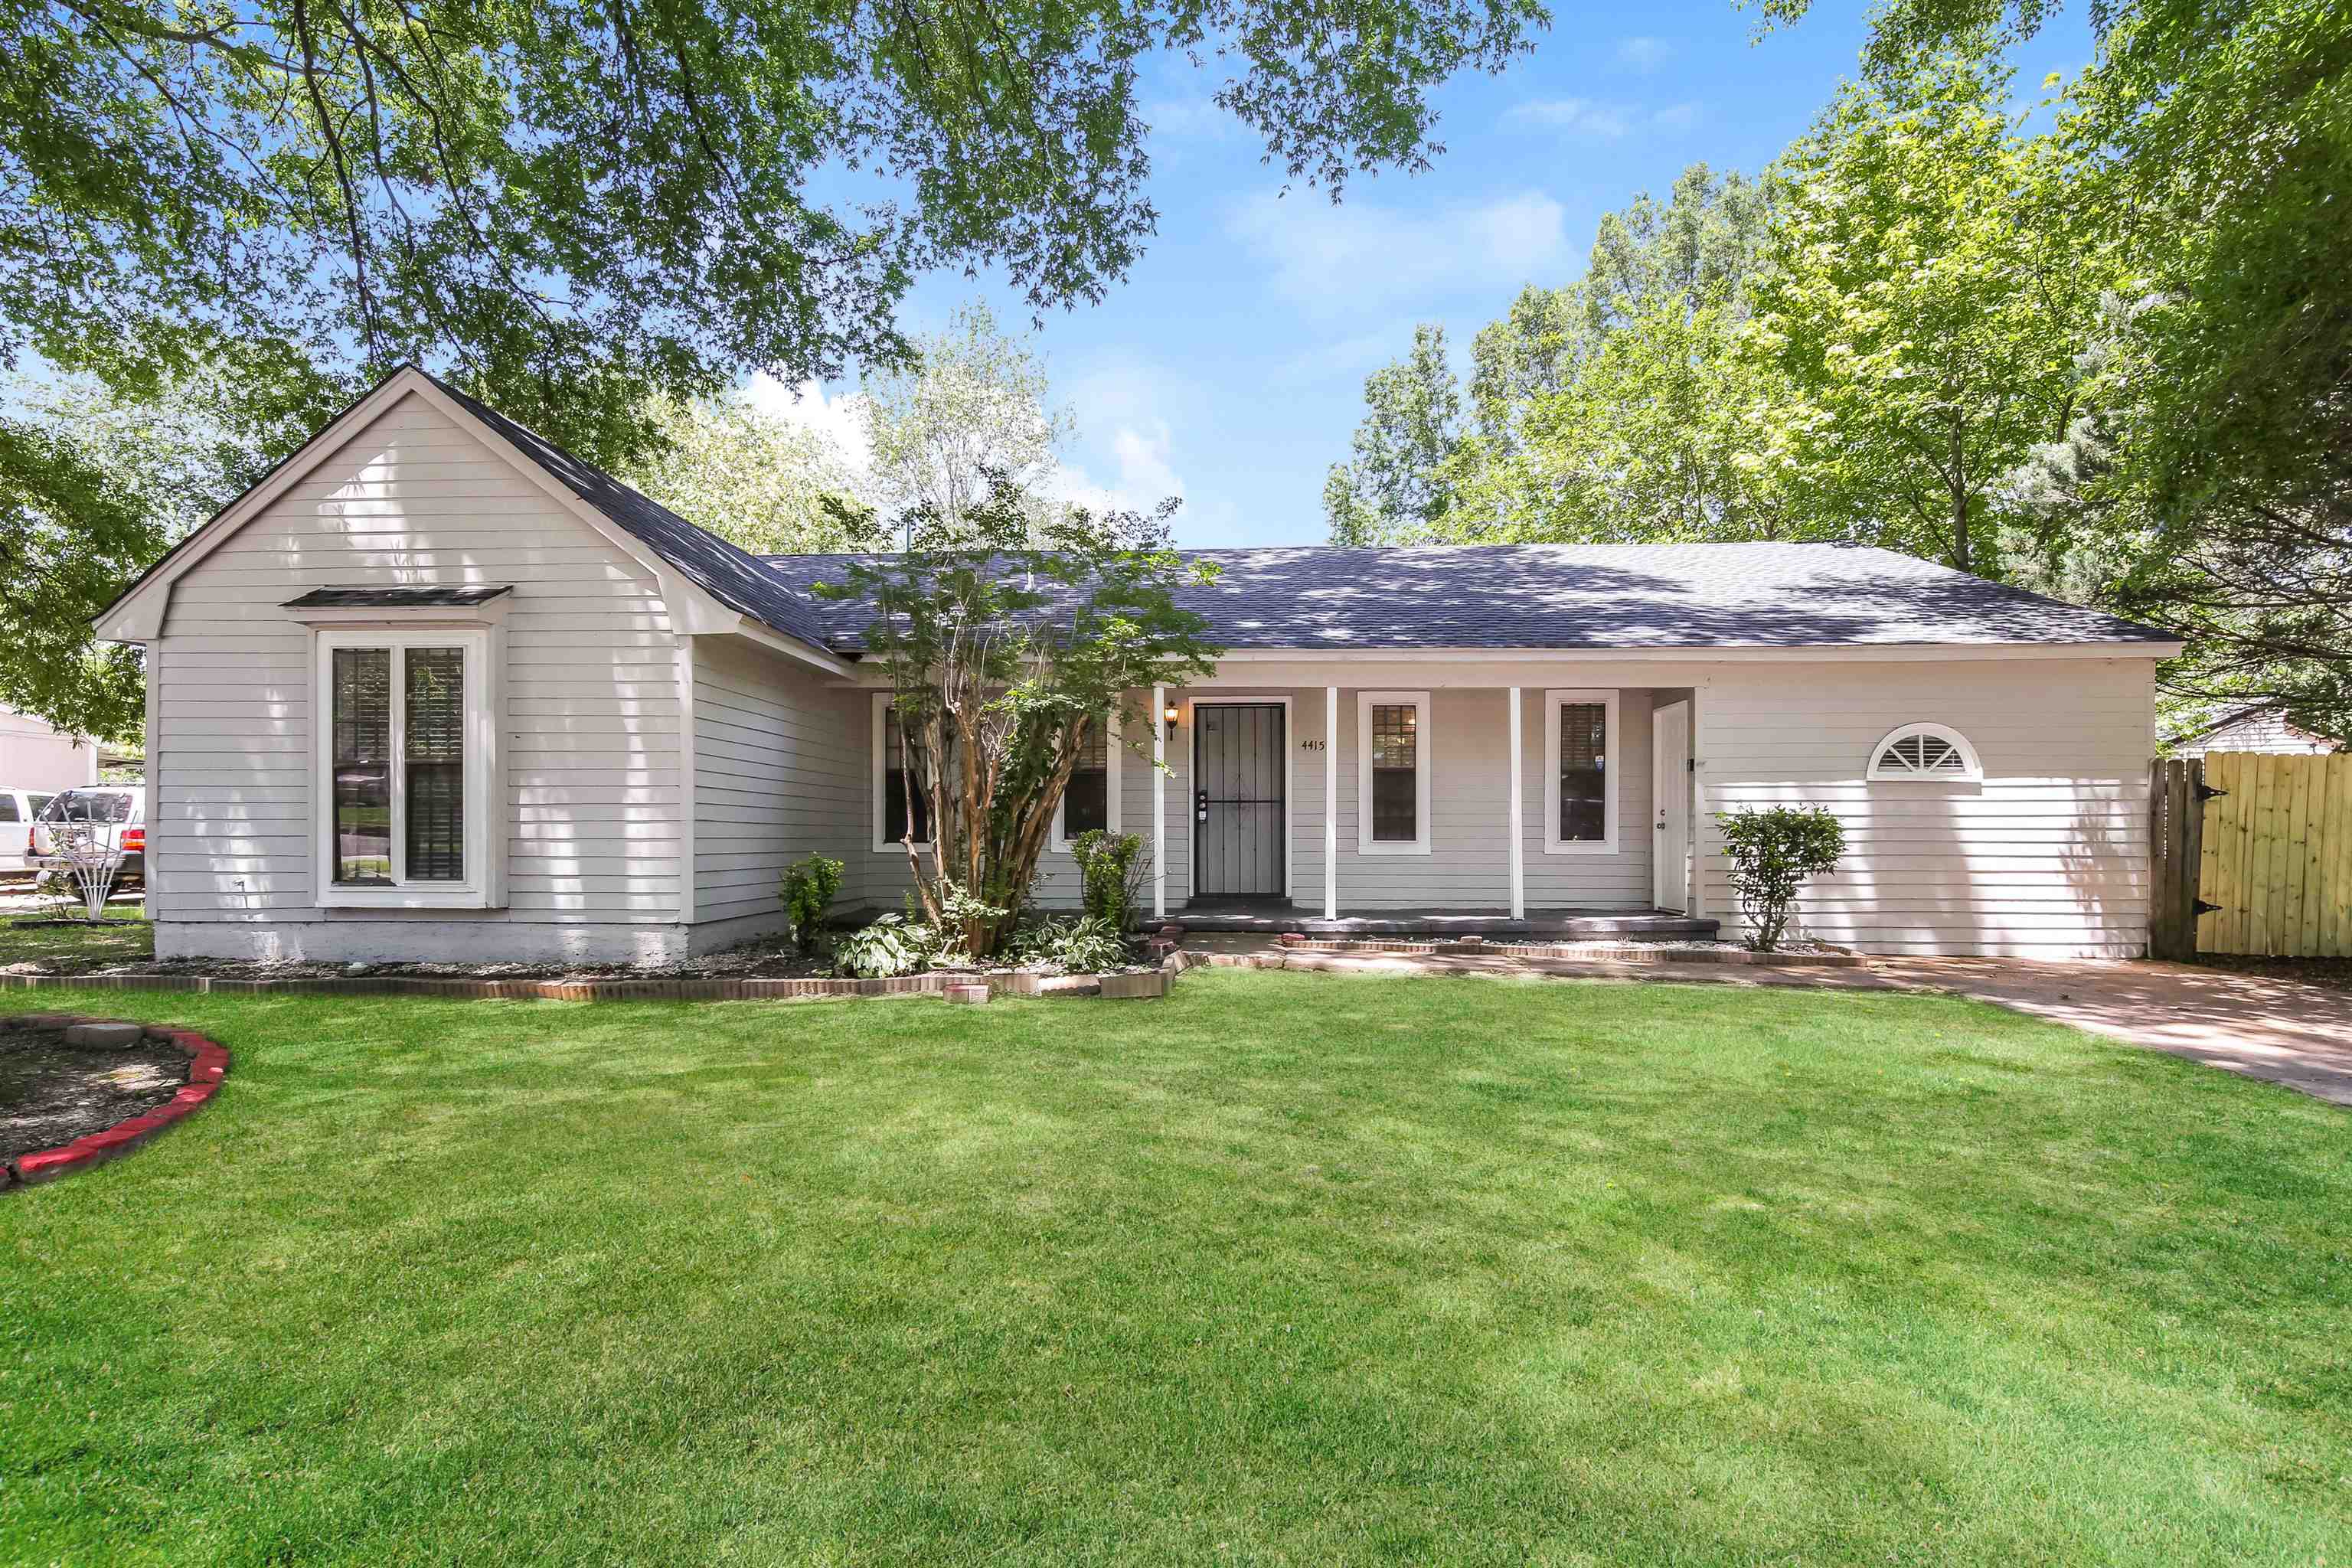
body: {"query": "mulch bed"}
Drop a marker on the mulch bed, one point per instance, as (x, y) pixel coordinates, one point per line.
(768, 959)
(52, 1093)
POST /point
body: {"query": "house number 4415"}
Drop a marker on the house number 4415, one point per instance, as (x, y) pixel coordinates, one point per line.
(1310, 745)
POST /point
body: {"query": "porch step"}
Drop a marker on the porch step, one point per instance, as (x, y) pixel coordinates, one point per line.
(1582, 925)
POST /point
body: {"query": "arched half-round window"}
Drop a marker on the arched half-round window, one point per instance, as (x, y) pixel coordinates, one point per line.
(1925, 752)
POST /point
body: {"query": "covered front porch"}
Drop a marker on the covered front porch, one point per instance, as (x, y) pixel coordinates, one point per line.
(1548, 797)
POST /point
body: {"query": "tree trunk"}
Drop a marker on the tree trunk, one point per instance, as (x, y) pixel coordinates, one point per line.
(1958, 480)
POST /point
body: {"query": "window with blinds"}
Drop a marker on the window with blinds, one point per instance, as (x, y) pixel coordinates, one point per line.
(1584, 773)
(1396, 764)
(1085, 804)
(401, 793)
(434, 763)
(363, 765)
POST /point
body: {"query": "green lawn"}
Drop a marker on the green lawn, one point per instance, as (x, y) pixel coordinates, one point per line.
(126, 938)
(1291, 1268)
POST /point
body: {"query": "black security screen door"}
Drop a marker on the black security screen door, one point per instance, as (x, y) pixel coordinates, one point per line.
(1237, 803)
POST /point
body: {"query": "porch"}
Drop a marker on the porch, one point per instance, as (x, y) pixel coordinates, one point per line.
(1544, 798)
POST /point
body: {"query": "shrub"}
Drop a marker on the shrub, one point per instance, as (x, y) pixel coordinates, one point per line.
(892, 945)
(809, 890)
(1088, 944)
(1773, 853)
(1111, 869)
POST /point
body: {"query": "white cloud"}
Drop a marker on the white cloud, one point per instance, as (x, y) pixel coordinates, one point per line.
(1644, 54)
(1578, 116)
(1600, 121)
(839, 420)
(1333, 260)
(1144, 476)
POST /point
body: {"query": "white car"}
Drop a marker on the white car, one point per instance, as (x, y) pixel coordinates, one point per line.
(120, 812)
(19, 807)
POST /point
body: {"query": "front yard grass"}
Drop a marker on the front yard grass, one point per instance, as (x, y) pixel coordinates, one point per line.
(1290, 1269)
(125, 937)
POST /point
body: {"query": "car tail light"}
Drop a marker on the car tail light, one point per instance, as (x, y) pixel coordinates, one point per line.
(30, 848)
(134, 841)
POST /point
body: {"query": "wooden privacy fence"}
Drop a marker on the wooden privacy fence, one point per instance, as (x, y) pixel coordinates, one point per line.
(2253, 854)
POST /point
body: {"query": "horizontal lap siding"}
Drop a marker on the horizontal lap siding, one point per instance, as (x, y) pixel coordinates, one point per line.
(589, 804)
(779, 775)
(2048, 856)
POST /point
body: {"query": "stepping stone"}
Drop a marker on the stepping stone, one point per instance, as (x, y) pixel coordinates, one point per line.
(110, 1036)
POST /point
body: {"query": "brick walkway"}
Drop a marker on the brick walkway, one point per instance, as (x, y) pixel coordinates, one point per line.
(2284, 1031)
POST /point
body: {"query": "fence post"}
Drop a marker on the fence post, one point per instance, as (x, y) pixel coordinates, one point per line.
(2175, 849)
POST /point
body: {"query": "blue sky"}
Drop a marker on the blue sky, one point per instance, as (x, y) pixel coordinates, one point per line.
(1229, 367)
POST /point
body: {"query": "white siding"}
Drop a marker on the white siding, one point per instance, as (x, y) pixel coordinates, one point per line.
(779, 774)
(2048, 856)
(590, 800)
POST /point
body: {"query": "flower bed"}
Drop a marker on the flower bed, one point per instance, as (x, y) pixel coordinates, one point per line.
(160, 1075)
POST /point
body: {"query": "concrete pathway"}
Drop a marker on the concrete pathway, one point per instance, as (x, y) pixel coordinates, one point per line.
(2285, 1031)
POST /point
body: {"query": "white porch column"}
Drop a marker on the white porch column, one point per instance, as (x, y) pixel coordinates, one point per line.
(1330, 803)
(1159, 803)
(1519, 839)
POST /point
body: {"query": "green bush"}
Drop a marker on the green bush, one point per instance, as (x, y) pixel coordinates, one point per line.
(1774, 851)
(809, 890)
(1088, 944)
(892, 945)
(1110, 870)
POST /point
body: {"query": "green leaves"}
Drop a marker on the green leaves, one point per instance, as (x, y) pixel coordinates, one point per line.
(1775, 851)
(1003, 639)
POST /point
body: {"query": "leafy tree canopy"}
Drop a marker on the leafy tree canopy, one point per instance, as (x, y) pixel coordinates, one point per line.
(572, 209)
(1003, 639)
(2206, 484)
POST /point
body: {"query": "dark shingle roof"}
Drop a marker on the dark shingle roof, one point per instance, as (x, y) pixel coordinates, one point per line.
(733, 576)
(392, 598)
(1584, 596)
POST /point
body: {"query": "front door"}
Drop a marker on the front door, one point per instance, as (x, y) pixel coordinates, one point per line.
(1670, 736)
(1237, 804)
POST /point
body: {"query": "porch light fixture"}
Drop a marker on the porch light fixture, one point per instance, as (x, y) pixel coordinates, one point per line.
(1168, 716)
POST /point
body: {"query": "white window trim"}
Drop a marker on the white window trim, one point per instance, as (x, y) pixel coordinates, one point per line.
(1613, 765)
(484, 887)
(1875, 775)
(882, 844)
(1060, 843)
(1424, 769)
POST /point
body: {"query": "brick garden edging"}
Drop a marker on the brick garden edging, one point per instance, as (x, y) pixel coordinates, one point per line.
(1005, 982)
(207, 1064)
(1637, 952)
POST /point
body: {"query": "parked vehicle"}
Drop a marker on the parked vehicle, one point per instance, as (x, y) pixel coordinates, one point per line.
(19, 807)
(120, 813)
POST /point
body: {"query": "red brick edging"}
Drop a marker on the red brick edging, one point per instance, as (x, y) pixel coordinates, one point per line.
(207, 1064)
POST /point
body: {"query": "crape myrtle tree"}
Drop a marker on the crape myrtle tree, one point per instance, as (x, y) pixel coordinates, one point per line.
(572, 208)
(1003, 639)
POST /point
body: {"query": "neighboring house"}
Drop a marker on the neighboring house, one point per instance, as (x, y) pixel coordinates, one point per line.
(2261, 731)
(437, 690)
(34, 756)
